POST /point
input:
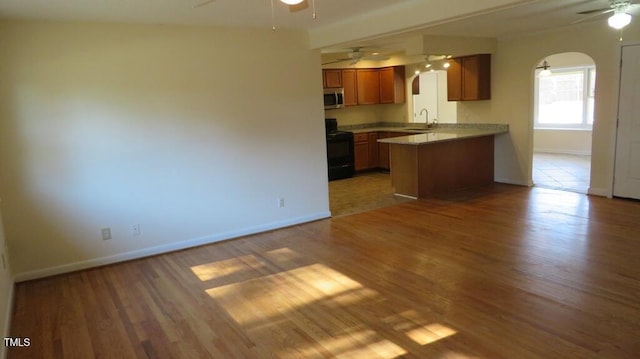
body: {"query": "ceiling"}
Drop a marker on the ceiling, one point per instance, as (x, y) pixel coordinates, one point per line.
(519, 18)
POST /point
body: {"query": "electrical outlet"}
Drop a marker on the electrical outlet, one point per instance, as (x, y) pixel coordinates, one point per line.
(106, 233)
(280, 202)
(136, 230)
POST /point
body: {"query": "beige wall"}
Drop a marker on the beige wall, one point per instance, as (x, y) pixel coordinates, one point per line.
(192, 133)
(512, 97)
(366, 114)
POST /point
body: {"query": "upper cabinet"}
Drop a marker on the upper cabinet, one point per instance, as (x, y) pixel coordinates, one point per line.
(368, 86)
(392, 89)
(350, 87)
(469, 78)
(368, 81)
(331, 78)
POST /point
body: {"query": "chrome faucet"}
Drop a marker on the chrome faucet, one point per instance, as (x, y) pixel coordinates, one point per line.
(427, 116)
(427, 125)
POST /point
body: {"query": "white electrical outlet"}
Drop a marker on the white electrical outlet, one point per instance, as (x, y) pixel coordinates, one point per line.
(106, 233)
(136, 230)
(280, 202)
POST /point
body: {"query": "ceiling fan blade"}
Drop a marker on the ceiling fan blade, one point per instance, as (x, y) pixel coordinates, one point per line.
(378, 57)
(592, 11)
(203, 3)
(591, 16)
(299, 7)
(336, 61)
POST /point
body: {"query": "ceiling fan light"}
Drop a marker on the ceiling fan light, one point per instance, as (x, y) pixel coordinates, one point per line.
(544, 73)
(619, 20)
(292, 2)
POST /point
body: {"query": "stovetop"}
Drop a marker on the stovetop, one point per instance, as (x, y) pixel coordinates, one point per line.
(336, 135)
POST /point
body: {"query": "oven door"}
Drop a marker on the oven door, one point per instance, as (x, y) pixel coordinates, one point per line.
(340, 156)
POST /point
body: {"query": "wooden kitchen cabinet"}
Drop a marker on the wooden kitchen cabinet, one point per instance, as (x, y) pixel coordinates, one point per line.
(366, 150)
(350, 87)
(392, 85)
(368, 86)
(383, 148)
(469, 78)
(332, 78)
(361, 151)
(373, 149)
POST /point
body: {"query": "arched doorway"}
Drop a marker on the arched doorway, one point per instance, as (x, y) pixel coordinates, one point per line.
(564, 99)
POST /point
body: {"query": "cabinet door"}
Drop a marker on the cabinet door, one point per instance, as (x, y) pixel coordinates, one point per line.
(454, 80)
(361, 153)
(392, 85)
(476, 77)
(350, 86)
(373, 150)
(368, 89)
(332, 78)
(469, 78)
(383, 151)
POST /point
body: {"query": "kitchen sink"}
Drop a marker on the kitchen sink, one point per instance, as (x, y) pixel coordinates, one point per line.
(421, 129)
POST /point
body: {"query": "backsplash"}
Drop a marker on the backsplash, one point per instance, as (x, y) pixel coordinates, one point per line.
(368, 114)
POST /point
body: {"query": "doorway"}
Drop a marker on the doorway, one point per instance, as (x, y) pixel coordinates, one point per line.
(564, 98)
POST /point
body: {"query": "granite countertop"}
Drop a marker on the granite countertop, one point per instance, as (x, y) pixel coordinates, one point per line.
(443, 134)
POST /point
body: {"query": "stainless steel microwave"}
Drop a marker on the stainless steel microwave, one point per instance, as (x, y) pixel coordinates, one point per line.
(333, 98)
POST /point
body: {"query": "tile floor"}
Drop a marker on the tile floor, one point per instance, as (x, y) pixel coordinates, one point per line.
(361, 193)
(562, 171)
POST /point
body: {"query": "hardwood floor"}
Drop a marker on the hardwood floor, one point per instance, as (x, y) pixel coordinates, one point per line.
(502, 272)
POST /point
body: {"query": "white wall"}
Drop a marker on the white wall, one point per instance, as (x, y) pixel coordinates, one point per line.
(572, 142)
(193, 133)
(512, 97)
(6, 288)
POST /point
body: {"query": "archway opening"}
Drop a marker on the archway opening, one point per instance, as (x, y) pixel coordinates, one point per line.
(564, 98)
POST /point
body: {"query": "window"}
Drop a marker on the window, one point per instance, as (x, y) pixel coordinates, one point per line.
(565, 99)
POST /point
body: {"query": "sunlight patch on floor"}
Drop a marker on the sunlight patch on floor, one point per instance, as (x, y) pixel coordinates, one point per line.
(359, 344)
(430, 333)
(226, 267)
(282, 293)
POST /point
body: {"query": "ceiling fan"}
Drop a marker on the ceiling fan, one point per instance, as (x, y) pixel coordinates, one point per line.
(620, 10)
(356, 54)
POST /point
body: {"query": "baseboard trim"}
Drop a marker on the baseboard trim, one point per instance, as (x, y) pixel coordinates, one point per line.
(562, 152)
(7, 324)
(165, 248)
(514, 182)
(602, 192)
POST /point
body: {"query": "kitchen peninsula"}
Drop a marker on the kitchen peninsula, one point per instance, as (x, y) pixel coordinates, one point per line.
(443, 160)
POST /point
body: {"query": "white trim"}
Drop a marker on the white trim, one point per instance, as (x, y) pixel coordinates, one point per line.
(513, 181)
(602, 192)
(7, 324)
(561, 151)
(165, 248)
(405, 196)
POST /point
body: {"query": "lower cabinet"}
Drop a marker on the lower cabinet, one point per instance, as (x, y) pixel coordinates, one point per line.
(361, 151)
(368, 153)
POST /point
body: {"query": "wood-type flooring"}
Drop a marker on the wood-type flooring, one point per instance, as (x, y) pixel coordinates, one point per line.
(500, 272)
